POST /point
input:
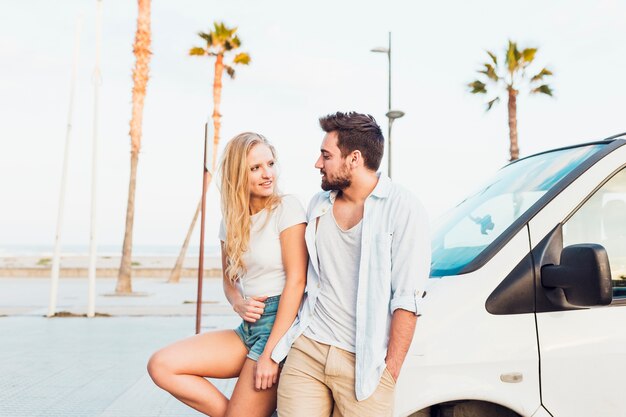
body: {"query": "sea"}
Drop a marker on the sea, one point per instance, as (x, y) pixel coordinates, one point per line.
(105, 250)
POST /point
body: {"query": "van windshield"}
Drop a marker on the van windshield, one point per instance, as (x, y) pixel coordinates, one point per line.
(468, 229)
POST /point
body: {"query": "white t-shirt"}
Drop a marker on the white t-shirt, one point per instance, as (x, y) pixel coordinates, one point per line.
(265, 274)
(339, 252)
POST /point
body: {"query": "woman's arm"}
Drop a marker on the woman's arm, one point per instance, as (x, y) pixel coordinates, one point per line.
(295, 258)
(249, 309)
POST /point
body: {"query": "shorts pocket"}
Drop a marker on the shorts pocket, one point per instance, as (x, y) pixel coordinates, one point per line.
(389, 376)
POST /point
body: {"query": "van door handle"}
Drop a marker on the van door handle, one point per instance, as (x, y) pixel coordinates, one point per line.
(512, 377)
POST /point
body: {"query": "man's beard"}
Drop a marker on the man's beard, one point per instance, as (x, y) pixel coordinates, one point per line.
(339, 182)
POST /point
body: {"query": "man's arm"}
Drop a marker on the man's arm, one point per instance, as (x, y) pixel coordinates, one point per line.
(400, 336)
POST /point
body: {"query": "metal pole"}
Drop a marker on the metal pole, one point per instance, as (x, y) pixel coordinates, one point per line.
(205, 182)
(97, 80)
(388, 110)
(56, 260)
(390, 121)
(389, 59)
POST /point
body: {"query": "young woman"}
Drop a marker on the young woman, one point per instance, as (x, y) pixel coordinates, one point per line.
(264, 259)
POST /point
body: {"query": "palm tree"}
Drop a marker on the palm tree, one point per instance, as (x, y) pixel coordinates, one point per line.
(141, 49)
(511, 78)
(219, 41)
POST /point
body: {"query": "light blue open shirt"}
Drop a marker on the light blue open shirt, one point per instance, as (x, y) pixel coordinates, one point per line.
(394, 268)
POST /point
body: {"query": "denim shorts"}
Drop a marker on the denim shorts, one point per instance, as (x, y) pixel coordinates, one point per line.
(254, 335)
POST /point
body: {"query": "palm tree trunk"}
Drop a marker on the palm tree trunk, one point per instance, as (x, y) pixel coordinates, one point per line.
(175, 275)
(217, 97)
(141, 49)
(514, 147)
(124, 285)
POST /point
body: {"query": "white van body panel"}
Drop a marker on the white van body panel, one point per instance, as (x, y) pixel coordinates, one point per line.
(541, 412)
(582, 361)
(582, 351)
(460, 350)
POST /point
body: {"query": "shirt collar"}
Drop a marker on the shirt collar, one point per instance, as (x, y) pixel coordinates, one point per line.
(383, 187)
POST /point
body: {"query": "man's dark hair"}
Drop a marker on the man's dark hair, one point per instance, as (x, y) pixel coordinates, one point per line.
(356, 131)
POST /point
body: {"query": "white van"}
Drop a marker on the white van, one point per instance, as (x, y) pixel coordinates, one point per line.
(525, 315)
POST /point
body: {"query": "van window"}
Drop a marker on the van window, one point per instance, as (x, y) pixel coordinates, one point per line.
(602, 220)
(468, 229)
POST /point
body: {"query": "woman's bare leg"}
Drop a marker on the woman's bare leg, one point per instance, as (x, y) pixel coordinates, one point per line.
(248, 402)
(181, 367)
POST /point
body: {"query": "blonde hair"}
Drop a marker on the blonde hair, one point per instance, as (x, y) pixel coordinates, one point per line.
(236, 199)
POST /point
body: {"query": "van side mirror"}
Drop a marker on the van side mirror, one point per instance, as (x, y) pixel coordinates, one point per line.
(582, 279)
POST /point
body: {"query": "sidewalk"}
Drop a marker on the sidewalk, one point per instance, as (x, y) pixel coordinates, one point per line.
(153, 296)
(96, 367)
(66, 367)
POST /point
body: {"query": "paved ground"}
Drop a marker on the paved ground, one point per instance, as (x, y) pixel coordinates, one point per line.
(153, 296)
(96, 367)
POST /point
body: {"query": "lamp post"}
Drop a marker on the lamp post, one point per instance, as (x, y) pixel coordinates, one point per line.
(391, 114)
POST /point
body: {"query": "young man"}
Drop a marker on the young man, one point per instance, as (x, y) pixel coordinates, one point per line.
(369, 249)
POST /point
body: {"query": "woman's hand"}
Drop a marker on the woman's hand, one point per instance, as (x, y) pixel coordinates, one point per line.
(250, 309)
(266, 373)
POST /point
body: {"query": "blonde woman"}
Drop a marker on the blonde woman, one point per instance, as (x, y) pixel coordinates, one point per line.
(264, 259)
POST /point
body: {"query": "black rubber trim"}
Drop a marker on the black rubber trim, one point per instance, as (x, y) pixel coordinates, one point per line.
(495, 246)
(548, 252)
(516, 293)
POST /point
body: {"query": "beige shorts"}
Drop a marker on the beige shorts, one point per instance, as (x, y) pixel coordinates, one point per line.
(317, 380)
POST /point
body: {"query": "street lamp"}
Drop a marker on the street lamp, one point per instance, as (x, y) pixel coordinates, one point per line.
(391, 114)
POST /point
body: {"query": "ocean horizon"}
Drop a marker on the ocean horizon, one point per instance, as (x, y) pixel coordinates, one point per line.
(104, 250)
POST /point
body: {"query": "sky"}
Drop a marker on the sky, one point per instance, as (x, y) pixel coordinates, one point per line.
(308, 59)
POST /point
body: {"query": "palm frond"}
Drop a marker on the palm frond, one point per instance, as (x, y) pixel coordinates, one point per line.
(528, 55)
(219, 28)
(542, 89)
(207, 37)
(242, 58)
(197, 51)
(518, 54)
(491, 103)
(221, 39)
(543, 73)
(512, 56)
(477, 87)
(513, 70)
(230, 71)
(490, 72)
(224, 38)
(221, 33)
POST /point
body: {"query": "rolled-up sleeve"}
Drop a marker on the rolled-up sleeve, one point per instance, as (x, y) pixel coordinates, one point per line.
(410, 255)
